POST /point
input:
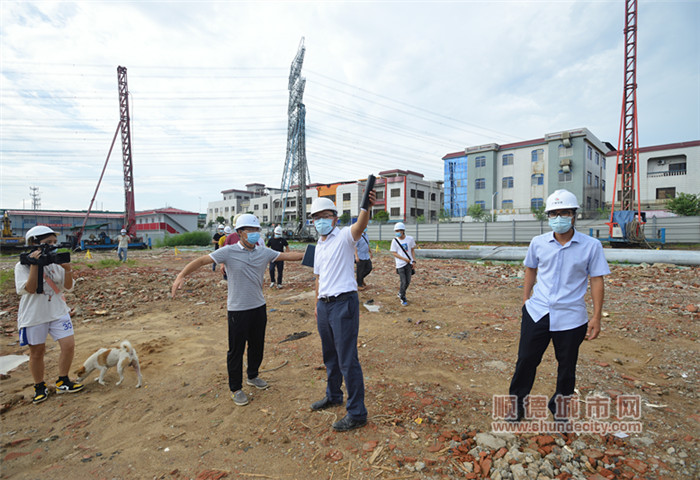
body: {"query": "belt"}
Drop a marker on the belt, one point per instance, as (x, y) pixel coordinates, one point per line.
(337, 298)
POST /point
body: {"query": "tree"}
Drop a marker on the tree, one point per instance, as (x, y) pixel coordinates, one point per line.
(538, 213)
(220, 220)
(420, 219)
(344, 218)
(477, 212)
(444, 215)
(604, 212)
(685, 204)
(381, 216)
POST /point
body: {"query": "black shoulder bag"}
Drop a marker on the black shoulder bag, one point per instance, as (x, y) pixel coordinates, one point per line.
(413, 270)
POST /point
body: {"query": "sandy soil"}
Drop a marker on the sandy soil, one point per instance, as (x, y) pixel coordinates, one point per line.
(431, 369)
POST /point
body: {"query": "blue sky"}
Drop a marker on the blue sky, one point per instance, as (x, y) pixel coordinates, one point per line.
(388, 85)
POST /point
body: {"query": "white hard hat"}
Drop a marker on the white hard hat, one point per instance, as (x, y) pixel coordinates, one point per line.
(38, 231)
(278, 230)
(561, 200)
(227, 230)
(247, 220)
(323, 203)
(220, 227)
(123, 230)
(399, 226)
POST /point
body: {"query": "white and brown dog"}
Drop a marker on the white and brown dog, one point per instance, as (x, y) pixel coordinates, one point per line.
(104, 358)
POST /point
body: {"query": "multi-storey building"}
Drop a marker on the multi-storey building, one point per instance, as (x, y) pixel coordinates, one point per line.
(514, 178)
(404, 194)
(237, 201)
(664, 172)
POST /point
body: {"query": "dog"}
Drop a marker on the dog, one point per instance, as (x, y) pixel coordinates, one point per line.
(104, 358)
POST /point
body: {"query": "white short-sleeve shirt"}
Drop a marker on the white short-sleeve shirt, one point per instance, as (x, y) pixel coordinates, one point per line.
(334, 263)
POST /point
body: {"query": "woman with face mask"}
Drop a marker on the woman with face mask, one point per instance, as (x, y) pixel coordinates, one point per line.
(245, 262)
(558, 267)
(403, 248)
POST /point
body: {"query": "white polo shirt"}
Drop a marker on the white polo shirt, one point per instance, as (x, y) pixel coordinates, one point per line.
(334, 263)
(562, 278)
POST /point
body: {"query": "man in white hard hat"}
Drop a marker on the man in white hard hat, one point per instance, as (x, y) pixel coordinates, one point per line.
(403, 248)
(46, 313)
(338, 310)
(245, 264)
(215, 241)
(123, 245)
(279, 244)
(558, 267)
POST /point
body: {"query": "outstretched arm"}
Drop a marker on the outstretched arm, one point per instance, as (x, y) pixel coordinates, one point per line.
(290, 256)
(362, 219)
(189, 268)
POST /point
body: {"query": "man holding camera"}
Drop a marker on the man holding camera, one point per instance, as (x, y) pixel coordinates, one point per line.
(42, 309)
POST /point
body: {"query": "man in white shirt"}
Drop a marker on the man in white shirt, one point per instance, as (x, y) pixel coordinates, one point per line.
(403, 248)
(338, 310)
(562, 262)
(123, 246)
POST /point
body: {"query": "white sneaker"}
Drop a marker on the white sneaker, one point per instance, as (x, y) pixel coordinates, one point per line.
(279, 285)
(272, 284)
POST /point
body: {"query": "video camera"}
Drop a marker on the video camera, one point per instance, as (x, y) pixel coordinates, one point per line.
(47, 257)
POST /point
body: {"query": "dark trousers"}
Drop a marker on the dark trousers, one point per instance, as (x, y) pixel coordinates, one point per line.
(245, 326)
(338, 325)
(405, 276)
(363, 268)
(280, 268)
(534, 340)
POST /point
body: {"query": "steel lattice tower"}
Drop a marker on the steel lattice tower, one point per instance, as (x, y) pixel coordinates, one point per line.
(296, 172)
(627, 165)
(125, 127)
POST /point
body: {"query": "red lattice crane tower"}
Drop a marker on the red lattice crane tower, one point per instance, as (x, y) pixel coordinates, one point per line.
(125, 126)
(627, 164)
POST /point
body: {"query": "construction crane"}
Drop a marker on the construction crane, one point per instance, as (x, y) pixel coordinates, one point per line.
(626, 224)
(124, 126)
(296, 172)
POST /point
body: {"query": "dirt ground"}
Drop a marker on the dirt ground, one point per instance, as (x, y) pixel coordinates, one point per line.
(431, 370)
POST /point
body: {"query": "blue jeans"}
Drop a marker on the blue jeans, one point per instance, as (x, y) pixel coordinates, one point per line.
(121, 250)
(338, 325)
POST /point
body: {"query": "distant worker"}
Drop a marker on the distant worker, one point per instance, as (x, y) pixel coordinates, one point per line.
(279, 244)
(43, 314)
(246, 262)
(403, 247)
(123, 245)
(558, 266)
(363, 260)
(338, 311)
(222, 242)
(215, 241)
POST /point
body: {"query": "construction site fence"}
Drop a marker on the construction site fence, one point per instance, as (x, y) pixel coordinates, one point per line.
(662, 230)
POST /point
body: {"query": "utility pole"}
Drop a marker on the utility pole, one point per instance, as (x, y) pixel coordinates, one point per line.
(296, 172)
(36, 198)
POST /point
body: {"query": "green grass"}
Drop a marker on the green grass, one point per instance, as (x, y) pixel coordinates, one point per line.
(199, 237)
(7, 279)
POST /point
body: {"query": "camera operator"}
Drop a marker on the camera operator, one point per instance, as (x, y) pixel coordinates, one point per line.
(45, 313)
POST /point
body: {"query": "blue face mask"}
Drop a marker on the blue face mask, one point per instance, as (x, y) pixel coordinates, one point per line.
(253, 237)
(560, 224)
(323, 226)
(398, 234)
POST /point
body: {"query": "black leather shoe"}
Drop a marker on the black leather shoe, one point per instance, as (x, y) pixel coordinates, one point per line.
(323, 404)
(347, 423)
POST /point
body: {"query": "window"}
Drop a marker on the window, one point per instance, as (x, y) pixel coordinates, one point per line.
(291, 203)
(588, 203)
(380, 194)
(413, 193)
(508, 159)
(420, 212)
(536, 202)
(596, 181)
(589, 176)
(537, 179)
(507, 204)
(677, 167)
(602, 185)
(538, 155)
(481, 203)
(264, 206)
(664, 193)
(597, 158)
(564, 177)
(596, 203)
(420, 194)
(225, 209)
(346, 197)
(413, 212)
(265, 219)
(255, 207)
(507, 182)
(603, 161)
(480, 183)
(395, 212)
(432, 197)
(480, 162)
(589, 153)
(309, 201)
(395, 192)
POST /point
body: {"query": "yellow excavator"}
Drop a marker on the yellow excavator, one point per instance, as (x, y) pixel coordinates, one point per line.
(8, 240)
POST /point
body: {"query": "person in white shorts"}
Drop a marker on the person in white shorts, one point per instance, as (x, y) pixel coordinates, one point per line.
(41, 314)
